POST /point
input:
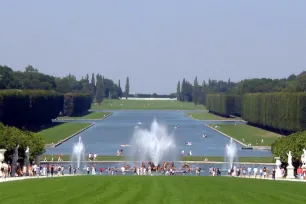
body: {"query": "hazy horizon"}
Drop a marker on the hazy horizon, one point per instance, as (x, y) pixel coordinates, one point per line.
(155, 43)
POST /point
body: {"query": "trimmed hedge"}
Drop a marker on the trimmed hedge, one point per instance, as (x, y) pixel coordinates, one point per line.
(283, 112)
(76, 103)
(29, 108)
(217, 104)
(224, 105)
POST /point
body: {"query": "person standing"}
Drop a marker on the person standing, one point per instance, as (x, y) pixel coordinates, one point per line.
(273, 174)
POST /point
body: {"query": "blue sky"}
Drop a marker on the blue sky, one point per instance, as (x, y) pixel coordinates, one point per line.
(155, 43)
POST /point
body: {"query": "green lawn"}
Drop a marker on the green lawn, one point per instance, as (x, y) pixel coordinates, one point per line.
(185, 158)
(61, 131)
(90, 116)
(152, 190)
(207, 116)
(248, 134)
(146, 104)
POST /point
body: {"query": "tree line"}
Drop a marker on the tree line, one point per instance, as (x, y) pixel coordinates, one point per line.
(196, 92)
(97, 86)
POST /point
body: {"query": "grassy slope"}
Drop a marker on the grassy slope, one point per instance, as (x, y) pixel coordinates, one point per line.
(90, 115)
(249, 133)
(61, 131)
(146, 104)
(152, 190)
(207, 116)
(185, 158)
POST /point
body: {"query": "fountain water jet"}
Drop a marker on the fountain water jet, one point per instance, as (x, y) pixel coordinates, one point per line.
(231, 153)
(154, 145)
(78, 153)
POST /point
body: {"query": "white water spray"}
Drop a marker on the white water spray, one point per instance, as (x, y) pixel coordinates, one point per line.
(78, 153)
(231, 153)
(155, 145)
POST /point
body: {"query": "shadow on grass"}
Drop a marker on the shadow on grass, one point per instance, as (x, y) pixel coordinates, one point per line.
(43, 127)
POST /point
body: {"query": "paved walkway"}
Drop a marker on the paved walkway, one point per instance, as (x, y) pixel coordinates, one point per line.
(270, 178)
(45, 177)
(28, 177)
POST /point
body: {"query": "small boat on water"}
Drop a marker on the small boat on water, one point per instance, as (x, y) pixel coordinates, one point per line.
(189, 143)
(125, 145)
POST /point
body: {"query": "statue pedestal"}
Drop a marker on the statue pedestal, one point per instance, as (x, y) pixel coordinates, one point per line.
(290, 172)
(278, 163)
(2, 151)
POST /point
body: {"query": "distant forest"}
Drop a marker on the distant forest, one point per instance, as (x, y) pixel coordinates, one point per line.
(197, 91)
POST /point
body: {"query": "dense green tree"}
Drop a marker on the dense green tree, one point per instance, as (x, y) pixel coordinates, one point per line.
(10, 137)
(127, 88)
(295, 143)
(30, 68)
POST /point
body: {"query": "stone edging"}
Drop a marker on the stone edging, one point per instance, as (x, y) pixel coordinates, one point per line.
(80, 119)
(253, 147)
(67, 138)
(225, 120)
(194, 162)
(226, 135)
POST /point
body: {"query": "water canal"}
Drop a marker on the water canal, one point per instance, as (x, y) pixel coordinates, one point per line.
(106, 136)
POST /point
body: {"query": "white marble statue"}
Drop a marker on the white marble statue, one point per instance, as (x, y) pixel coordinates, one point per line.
(27, 150)
(289, 159)
(303, 157)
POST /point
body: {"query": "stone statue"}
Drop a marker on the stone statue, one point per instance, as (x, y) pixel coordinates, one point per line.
(289, 159)
(303, 157)
(27, 150)
(27, 156)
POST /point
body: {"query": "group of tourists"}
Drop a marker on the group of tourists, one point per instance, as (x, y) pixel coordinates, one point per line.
(263, 172)
(167, 169)
(120, 152)
(37, 170)
(92, 157)
(255, 172)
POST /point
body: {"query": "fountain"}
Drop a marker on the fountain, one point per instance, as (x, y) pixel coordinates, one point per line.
(78, 153)
(231, 153)
(155, 145)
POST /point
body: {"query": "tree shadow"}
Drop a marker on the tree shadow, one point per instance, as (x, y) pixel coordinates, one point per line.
(46, 126)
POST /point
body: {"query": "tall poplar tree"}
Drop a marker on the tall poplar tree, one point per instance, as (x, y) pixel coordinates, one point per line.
(195, 91)
(119, 91)
(99, 89)
(127, 88)
(178, 91)
(93, 86)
